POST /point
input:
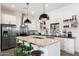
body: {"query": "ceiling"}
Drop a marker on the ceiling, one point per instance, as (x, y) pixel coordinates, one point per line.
(34, 8)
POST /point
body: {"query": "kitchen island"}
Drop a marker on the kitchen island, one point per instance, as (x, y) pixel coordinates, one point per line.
(50, 47)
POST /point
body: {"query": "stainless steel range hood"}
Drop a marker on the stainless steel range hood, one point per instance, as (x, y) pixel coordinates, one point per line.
(22, 23)
(23, 27)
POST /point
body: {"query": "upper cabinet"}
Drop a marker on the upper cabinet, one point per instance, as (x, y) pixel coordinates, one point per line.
(7, 16)
(71, 23)
(8, 19)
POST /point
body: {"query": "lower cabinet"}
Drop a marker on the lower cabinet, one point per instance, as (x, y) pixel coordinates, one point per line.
(61, 44)
(67, 45)
(49, 50)
(77, 44)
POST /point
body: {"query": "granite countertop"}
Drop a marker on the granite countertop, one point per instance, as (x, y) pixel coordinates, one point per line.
(67, 37)
(38, 40)
(52, 36)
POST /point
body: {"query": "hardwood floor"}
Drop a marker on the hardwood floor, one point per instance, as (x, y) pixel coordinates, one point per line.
(11, 52)
(63, 53)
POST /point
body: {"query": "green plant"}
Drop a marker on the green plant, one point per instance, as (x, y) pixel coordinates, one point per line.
(23, 50)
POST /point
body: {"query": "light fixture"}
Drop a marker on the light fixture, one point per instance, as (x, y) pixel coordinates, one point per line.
(12, 6)
(32, 12)
(44, 15)
(46, 5)
(27, 20)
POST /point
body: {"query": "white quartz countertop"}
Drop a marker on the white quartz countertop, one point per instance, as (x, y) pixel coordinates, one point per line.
(38, 40)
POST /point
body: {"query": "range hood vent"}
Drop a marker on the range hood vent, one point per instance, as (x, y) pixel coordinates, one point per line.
(22, 23)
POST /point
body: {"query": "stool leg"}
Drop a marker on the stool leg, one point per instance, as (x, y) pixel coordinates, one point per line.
(23, 42)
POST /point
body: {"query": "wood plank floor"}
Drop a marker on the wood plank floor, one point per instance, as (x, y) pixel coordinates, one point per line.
(63, 53)
(11, 52)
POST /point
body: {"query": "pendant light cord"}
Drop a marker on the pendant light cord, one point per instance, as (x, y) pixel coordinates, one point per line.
(27, 9)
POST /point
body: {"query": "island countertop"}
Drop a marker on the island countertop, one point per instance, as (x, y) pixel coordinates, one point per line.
(38, 40)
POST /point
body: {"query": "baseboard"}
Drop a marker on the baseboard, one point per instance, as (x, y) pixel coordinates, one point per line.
(77, 51)
(67, 52)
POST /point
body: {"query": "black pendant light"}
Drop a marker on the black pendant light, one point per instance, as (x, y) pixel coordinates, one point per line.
(27, 20)
(44, 15)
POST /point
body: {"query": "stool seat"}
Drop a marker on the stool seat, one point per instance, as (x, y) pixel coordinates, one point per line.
(37, 53)
(19, 44)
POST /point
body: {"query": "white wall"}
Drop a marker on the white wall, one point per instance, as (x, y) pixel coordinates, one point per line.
(18, 20)
(0, 25)
(34, 23)
(63, 13)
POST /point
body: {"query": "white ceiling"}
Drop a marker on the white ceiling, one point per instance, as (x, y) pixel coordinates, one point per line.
(36, 7)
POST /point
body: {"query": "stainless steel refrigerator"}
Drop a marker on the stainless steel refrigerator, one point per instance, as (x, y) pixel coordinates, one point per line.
(8, 36)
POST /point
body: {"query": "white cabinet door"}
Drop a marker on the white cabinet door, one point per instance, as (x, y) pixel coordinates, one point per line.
(69, 45)
(8, 19)
(54, 49)
(13, 20)
(5, 19)
(62, 43)
(51, 50)
(77, 44)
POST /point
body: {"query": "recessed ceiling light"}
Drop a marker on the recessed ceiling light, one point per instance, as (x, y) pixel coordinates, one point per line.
(12, 6)
(32, 12)
(46, 5)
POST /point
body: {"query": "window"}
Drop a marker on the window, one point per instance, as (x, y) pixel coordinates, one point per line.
(54, 28)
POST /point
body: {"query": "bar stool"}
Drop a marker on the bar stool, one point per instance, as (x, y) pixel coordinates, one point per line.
(36, 53)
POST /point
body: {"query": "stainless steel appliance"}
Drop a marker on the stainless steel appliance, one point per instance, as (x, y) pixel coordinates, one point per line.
(23, 30)
(23, 27)
(69, 34)
(8, 36)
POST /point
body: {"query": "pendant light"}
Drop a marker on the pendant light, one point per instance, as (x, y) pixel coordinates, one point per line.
(44, 15)
(27, 20)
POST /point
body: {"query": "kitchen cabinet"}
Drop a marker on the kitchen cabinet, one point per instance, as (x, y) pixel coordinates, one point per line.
(75, 33)
(71, 23)
(67, 45)
(49, 47)
(8, 19)
(61, 44)
(49, 50)
(77, 44)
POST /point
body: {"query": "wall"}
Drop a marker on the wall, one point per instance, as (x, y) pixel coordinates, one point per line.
(63, 13)
(34, 23)
(0, 25)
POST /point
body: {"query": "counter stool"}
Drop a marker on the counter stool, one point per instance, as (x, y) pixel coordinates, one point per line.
(18, 44)
(36, 53)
